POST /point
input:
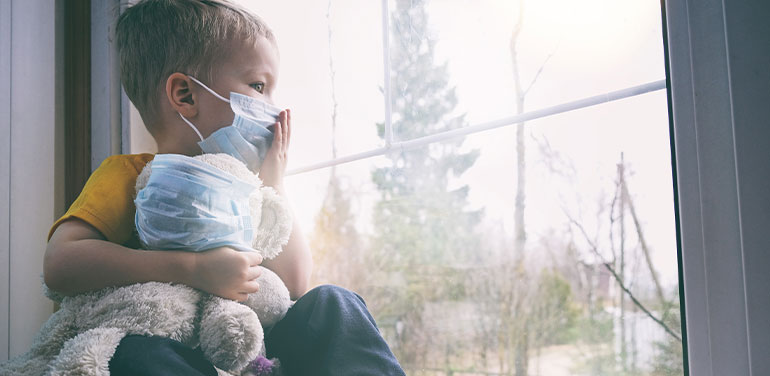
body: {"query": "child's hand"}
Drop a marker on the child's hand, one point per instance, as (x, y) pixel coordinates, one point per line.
(274, 165)
(226, 272)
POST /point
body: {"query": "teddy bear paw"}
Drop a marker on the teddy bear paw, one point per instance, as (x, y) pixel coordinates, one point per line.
(230, 334)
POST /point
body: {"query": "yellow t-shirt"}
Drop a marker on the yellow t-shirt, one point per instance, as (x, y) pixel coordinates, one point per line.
(107, 199)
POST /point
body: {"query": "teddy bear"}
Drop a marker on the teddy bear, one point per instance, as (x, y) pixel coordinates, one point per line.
(81, 337)
(271, 220)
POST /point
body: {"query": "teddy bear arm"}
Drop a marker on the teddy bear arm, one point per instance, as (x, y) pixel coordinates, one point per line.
(88, 353)
(272, 301)
(230, 333)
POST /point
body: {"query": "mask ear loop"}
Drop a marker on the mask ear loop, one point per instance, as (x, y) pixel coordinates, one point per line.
(208, 89)
(191, 126)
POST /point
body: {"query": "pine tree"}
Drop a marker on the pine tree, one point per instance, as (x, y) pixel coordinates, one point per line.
(424, 231)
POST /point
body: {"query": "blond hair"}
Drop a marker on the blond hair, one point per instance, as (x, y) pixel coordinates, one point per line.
(156, 38)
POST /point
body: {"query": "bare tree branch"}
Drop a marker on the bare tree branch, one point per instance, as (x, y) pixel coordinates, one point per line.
(519, 343)
(645, 248)
(537, 75)
(612, 223)
(332, 74)
(554, 162)
(615, 275)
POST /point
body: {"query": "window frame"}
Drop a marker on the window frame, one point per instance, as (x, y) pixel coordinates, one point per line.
(31, 189)
(720, 166)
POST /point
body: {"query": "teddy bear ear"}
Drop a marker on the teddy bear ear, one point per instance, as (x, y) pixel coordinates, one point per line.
(144, 176)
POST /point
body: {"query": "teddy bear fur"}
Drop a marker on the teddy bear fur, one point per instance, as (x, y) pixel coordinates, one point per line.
(81, 337)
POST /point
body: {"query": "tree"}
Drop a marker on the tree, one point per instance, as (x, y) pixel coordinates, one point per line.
(520, 234)
(423, 229)
(555, 308)
(669, 360)
(337, 245)
(336, 241)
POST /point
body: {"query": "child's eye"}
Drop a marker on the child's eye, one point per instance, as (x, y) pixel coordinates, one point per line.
(259, 86)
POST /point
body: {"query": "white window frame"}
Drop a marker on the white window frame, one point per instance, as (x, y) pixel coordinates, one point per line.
(5, 171)
(107, 103)
(30, 158)
(719, 54)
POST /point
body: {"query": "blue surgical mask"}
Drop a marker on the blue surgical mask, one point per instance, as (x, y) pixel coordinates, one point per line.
(190, 205)
(248, 138)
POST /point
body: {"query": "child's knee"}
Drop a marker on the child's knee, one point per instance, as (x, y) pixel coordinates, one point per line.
(157, 356)
(334, 294)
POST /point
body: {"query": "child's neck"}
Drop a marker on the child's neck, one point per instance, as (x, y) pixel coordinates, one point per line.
(178, 145)
(172, 139)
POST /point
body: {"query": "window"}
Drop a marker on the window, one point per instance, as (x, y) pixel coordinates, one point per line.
(493, 177)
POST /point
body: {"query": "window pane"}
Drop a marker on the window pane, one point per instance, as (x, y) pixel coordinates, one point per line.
(441, 273)
(547, 248)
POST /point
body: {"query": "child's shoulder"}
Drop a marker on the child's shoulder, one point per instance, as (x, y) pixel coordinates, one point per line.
(119, 171)
(106, 201)
(125, 163)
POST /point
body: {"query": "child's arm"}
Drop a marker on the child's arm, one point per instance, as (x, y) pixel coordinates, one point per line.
(79, 259)
(295, 263)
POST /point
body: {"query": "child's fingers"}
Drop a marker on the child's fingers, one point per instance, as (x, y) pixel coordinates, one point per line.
(253, 273)
(288, 128)
(254, 258)
(250, 287)
(277, 136)
(284, 127)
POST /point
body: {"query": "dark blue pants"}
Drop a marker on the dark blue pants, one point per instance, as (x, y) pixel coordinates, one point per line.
(327, 332)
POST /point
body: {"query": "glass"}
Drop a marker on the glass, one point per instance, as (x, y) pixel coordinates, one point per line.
(586, 283)
(439, 267)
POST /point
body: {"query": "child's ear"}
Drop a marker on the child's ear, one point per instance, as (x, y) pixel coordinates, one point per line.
(180, 96)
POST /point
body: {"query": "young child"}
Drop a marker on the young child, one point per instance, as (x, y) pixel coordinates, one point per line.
(178, 57)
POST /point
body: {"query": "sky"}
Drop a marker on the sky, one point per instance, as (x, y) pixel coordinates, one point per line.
(584, 48)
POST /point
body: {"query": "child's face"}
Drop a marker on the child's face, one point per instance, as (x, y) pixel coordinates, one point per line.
(250, 69)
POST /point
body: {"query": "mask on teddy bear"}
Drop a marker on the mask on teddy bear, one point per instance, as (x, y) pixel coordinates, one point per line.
(191, 205)
(248, 138)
